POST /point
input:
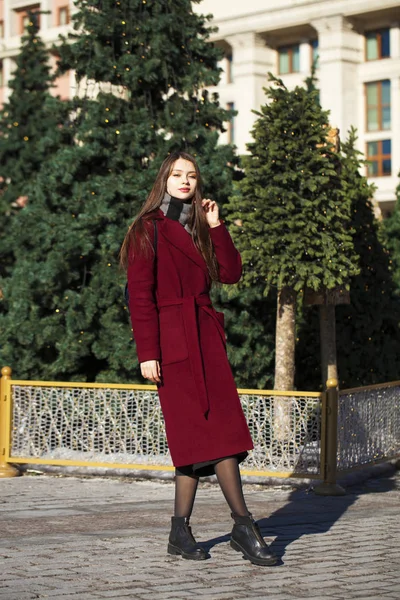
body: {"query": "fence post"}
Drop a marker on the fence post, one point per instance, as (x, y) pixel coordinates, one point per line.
(6, 470)
(329, 487)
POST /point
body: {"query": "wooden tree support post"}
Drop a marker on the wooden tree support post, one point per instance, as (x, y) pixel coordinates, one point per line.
(327, 331)
(327, 300)
(6, 470)
(284, 362)
(329, 487)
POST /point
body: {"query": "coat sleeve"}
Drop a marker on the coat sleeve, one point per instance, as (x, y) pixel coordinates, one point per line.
(228, 258)
(142, 304)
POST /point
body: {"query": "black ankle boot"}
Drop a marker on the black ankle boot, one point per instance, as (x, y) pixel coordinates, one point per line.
(246, 538)
(181, 540)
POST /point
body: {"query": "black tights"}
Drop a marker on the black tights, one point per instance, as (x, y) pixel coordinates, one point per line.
(185, 493)
(228, 475)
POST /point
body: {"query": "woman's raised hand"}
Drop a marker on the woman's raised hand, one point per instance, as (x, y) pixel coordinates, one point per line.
(151, 370)
(212, 212)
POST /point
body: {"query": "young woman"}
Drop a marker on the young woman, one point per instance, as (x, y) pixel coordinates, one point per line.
(172, 252)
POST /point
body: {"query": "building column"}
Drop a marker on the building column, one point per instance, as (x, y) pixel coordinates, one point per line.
(7, 19)
(305, 56)
(395, 40)
(8, 68)
(340, 52)
(252, 59)
(46, 19)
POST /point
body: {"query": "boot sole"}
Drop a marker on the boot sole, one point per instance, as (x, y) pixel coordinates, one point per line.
(175, 551)
(262, 562)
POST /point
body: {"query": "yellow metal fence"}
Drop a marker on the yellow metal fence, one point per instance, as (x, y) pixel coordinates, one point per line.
(368, 425)
(115, 426)
(120, 426)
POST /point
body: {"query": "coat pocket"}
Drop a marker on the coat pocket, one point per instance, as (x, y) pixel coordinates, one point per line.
(173, 341)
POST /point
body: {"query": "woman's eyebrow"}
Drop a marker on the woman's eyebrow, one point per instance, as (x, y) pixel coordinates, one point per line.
(181, 171)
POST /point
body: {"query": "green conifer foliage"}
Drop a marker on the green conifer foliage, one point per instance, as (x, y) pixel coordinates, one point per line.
(391, 234)
(367, 329)
(250, 325)
(290, 217)
(294, 215)
(140, 66)
(25, 122)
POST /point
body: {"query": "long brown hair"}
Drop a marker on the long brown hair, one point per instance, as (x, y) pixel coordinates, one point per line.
(137, 238)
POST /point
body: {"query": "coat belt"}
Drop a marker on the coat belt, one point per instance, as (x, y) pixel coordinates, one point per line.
(190, 321)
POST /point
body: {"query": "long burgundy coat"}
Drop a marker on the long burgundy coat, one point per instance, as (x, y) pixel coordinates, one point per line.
(173, 321)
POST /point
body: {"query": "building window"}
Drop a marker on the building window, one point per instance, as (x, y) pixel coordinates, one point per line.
(25, 22)
(24, 18)
(63, 15)
(289, 59)
(386, 213)
(379, 158)
(314, 45)
(1, 75)
(377, 44)
(378, 105)
(1, 29)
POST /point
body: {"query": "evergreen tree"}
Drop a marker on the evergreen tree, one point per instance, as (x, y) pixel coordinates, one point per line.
(249, 322)
(391, 235)
(26, 120)
(367, 329)
(292, 218)
(140, 67)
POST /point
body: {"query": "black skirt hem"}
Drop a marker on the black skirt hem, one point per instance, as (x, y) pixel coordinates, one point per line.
(207, 468)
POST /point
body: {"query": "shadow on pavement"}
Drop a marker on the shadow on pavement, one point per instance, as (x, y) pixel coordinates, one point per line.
(306, 513)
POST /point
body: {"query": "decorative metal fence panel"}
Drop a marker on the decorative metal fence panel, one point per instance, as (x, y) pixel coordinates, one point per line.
(92, 424)
(123, 425)
(368, 425)
(118, 426)
(294, 448)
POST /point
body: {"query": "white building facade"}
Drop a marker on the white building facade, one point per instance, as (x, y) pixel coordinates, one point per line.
(357, 47)
(356, 44)
(13, 18)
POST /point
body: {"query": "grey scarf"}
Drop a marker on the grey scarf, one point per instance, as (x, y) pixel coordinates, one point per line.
(176, 210)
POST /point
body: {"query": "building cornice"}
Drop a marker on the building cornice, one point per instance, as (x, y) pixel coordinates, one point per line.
(288, 14)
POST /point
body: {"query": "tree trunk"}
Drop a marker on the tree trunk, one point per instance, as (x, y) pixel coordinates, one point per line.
(327, 326)
(284, 360)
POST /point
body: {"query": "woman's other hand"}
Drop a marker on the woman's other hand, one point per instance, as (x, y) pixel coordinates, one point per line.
(212, 212)
(151, 370)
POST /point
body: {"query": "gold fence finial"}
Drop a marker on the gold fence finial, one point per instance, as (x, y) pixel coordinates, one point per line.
(332, 383)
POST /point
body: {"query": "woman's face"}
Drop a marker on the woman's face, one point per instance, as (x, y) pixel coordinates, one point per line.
(182, 180)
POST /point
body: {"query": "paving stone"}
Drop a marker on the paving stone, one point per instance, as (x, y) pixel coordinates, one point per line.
(18, 596)
(121, 592)
(68, 538)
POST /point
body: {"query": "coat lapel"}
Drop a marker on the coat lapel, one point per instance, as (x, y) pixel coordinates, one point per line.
(181, 239)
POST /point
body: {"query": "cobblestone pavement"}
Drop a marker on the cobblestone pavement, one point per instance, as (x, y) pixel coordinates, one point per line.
(92, 538)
